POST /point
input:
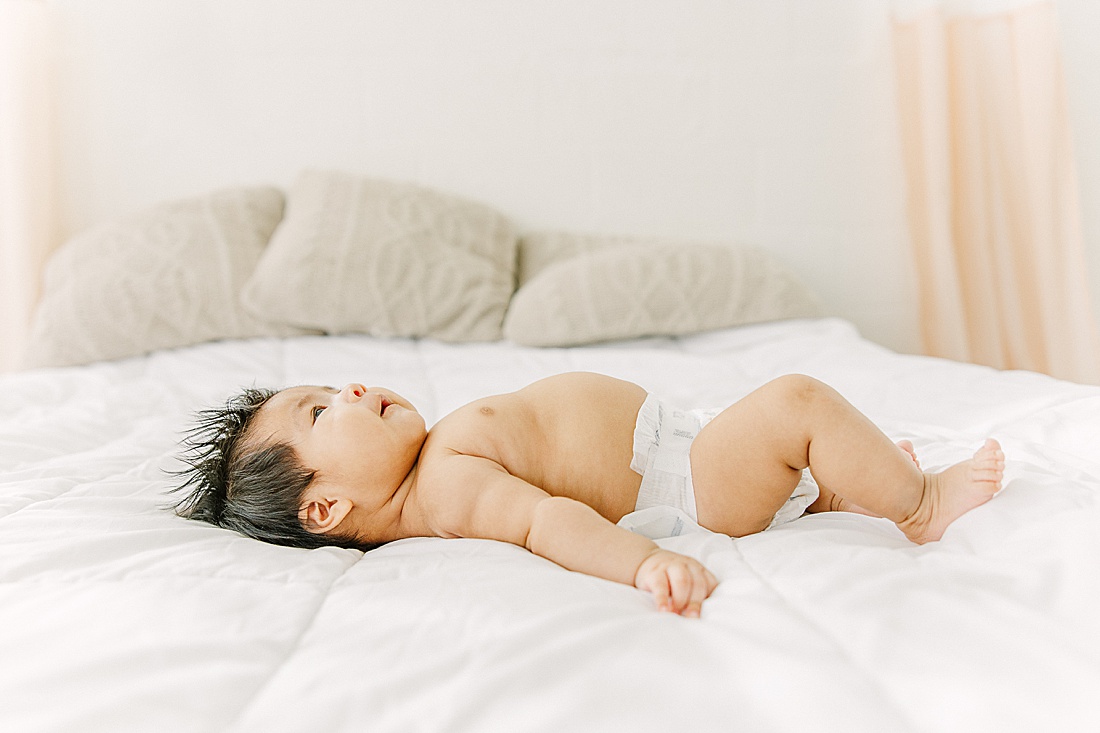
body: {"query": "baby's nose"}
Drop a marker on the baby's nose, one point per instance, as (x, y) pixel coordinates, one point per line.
(353, 392)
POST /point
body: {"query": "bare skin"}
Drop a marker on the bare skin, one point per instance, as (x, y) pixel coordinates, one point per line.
(548, 468)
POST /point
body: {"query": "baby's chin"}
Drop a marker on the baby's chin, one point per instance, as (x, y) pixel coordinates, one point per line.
(401, 412)
(411, 420)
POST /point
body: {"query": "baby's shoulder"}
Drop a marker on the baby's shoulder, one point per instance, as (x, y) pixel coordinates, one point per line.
(459, 449)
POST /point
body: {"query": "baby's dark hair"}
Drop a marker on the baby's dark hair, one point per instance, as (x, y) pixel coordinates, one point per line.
(255, 490)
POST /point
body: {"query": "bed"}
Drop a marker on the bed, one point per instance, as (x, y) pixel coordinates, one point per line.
(117, 615)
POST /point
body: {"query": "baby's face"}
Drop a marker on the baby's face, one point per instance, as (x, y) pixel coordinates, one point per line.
(364, 441)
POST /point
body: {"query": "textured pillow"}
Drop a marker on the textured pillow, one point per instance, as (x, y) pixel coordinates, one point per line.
(169, 276)
(578, 290)
(386, 259)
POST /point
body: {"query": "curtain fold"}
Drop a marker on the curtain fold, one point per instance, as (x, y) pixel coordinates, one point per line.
(992, 191)
(27, 167)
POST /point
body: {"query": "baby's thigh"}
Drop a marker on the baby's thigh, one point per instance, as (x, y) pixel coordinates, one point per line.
(740, 467)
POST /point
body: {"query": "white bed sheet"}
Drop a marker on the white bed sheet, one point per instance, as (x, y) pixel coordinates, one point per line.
(116, 615)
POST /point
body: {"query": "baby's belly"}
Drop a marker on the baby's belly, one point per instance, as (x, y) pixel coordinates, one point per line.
(608, 485)
(591, 464)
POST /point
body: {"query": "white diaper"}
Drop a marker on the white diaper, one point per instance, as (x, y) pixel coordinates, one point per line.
(662, 441)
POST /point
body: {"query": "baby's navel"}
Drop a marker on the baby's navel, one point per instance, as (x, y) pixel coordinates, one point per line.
(486, 410)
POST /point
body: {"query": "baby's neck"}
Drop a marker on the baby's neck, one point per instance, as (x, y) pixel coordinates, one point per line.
(400, 517)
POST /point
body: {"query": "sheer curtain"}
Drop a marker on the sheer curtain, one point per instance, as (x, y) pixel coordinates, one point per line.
(993, 201)
(27, 185)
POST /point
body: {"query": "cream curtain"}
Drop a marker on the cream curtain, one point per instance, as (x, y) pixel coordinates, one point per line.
(993, 203)
(27, 183)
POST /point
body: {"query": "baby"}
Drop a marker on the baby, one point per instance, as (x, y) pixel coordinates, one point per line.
(554, 466)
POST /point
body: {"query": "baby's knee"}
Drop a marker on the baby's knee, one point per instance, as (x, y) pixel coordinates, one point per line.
(797, 391)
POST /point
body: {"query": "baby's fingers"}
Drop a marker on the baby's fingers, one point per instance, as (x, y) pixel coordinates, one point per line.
(680, 581)
(703, 584)
(658, 585)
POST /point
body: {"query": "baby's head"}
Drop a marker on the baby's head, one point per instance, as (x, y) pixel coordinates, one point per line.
(305, 466)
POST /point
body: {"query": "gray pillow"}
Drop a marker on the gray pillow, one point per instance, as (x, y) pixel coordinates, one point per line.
(166, 277)
(386, 259)
(584, 289)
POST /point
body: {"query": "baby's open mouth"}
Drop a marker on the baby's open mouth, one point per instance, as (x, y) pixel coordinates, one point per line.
(385, 403)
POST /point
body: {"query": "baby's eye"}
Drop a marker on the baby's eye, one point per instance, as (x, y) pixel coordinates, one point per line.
(316, 412)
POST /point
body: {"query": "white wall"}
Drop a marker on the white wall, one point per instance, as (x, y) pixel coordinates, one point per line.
(770, 123)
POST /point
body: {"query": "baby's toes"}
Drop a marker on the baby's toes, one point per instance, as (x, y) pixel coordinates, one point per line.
(990, 454)
(907, 446)
(990, 447)
(978, 473)
(988, 470)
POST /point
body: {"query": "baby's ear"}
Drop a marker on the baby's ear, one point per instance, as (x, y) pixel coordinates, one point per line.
(322, 515)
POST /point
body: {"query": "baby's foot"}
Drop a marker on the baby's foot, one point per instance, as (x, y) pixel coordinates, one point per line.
(907, 446)
(950, 494)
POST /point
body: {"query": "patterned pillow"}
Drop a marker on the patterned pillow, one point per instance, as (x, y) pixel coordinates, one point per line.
(169, 276)
(578, 290)
(386, 259)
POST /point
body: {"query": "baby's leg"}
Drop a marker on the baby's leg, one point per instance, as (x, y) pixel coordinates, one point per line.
(746, 462)
(827, 501)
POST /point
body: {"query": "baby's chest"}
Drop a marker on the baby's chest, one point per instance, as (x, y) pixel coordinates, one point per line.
(583, 454)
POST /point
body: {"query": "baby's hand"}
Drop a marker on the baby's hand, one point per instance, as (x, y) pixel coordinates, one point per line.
(678, 583)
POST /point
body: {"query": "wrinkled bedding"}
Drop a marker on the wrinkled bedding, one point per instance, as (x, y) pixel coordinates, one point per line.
(117, 615)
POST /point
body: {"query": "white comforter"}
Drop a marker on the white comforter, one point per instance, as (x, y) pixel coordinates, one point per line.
(117, 615)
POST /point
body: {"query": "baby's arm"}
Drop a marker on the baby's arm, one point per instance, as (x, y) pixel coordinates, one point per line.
(481, 499)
